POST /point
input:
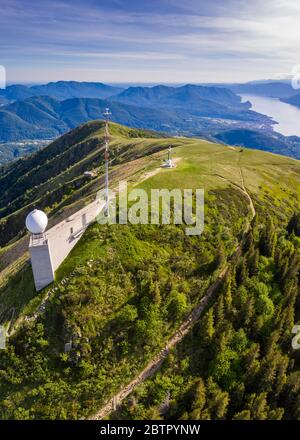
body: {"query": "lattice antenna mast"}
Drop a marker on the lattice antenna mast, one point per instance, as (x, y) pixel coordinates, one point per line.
(106, 115)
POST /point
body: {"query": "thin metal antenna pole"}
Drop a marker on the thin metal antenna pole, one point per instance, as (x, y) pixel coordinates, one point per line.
(106, 157)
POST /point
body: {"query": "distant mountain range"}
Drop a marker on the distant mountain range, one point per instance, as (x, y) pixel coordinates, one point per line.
(293, 100)
(212, 111)
(44, 117)
(199, 98)
(274, 89)
(160, 108)
(59, 90)
(267, 141)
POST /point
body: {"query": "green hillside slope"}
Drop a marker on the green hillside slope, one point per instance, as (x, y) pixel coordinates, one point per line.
(124, 290)
(237, 362)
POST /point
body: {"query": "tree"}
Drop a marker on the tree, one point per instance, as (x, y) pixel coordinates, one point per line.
(128, 314)
(178, 304)
(258, 406)
(243, 415)
(199, 399)
(207, 327)
(218, 403)
(293, 226)
(251, 363)
(268, 239)
(241, 272)
(265, 306)
(252, 263)
(227, 292)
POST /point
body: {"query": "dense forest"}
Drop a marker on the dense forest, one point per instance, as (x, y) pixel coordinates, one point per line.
(238, 362)
(129, 288)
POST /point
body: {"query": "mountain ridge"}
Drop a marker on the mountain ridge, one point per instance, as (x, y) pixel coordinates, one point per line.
(60, 90)
(126, 289)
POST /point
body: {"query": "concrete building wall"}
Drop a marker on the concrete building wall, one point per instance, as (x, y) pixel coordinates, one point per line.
(47, 253)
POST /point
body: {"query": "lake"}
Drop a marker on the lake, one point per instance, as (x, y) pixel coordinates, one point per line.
(287, 116)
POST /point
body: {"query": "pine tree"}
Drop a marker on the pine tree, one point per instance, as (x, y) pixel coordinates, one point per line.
(252, 263)
(241, 272)
(207, 327)
(199, 399)
(294, 224)
(243, 415)
(268, 239)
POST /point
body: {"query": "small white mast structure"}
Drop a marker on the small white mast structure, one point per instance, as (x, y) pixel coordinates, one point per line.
(169, 162)
(106, 115)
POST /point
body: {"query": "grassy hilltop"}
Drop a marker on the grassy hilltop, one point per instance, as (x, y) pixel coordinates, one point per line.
(130, 287)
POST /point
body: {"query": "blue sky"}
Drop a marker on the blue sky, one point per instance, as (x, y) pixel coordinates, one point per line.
(148, 41)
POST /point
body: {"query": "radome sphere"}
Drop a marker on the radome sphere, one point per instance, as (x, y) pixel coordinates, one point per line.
(36, 221)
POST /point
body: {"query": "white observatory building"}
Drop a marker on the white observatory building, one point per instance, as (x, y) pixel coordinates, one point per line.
(49, 248)
(36, 222)
(40, 254)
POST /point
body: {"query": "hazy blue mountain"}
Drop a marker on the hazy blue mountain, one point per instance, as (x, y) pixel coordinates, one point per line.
(293, 100)
(73, 89)
(16, 91)
(190, 110)
(3, 101)
(60, 90)
(267, 141)
(274, 89)
(43, 117)
(143, 95)
(204, 99)
(191, 94)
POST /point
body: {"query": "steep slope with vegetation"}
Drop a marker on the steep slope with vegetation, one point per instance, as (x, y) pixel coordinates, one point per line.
(53, 177)
(293, 100)
(41, 117)
(238, 362)
(124, 290)
(266, 140)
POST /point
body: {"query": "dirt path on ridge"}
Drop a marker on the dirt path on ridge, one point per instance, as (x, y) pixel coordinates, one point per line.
(185, 327)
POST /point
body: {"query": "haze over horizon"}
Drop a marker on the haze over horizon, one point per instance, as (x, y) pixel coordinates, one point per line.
(158, 42)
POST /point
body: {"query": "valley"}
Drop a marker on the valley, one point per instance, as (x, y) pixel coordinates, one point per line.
(14, 150)
(215, 112)
(189, 110)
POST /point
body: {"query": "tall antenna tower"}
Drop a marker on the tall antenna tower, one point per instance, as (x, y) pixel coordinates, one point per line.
(169, 153)
(106, 115)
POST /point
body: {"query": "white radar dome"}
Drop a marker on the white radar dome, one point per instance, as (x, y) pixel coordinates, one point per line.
(36, 221)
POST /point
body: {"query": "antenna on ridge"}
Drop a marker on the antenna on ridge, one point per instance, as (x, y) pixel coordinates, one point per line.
(169, 162)
(106, 115)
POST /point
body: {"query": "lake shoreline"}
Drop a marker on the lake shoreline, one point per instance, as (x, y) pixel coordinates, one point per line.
(286, 117)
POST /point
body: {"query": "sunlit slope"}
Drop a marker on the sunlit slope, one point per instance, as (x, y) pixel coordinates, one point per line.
(130, 286)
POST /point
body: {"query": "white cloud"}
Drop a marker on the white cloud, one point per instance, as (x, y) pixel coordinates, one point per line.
(233, 39)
